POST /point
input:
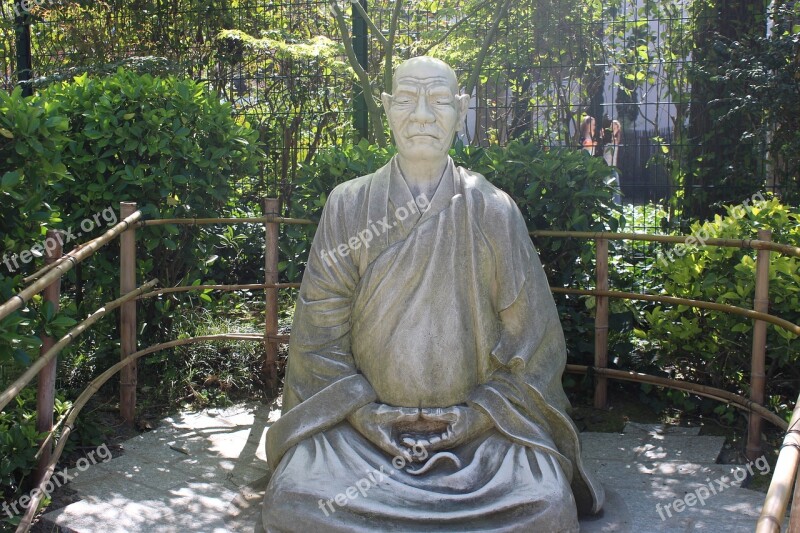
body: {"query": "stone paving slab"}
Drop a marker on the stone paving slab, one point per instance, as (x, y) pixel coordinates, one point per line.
(206, 472)
(653, 466)
(700, 449)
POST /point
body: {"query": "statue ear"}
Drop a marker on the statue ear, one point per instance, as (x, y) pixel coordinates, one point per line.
(462, 105)
(386, 99)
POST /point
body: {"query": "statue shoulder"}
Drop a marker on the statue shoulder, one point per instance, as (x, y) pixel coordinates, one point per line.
(494, 203)
(351, 190)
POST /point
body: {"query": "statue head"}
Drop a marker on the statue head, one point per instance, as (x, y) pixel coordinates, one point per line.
(424, 109)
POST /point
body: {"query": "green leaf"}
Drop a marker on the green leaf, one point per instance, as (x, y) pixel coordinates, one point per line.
(11, 179)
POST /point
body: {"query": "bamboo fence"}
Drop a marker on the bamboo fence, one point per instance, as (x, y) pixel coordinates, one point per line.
(48, 277)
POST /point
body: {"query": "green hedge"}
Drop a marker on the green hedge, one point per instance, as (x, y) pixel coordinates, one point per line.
(78, 148)
(713, 347)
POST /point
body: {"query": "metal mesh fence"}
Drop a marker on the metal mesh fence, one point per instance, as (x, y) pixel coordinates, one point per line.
(548, 66)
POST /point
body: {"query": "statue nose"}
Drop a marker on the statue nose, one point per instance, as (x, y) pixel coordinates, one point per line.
(422, 112)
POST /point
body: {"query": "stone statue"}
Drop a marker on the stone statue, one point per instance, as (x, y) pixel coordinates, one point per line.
(423, 389)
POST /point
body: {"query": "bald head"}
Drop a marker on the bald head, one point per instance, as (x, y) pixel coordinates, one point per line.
(424, 67)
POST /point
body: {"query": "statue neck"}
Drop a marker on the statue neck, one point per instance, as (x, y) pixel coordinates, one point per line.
(422, 176)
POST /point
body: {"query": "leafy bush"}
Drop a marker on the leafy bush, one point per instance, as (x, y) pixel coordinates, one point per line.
(19, 442)
(167, 144)
(32, 136)
(31, 139)
(713, 347)
(171, 146)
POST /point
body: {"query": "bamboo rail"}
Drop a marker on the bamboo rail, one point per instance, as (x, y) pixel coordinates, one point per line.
(601, 324)
(732, 309)
(39, 493)
(695, 388)
(756, 244)
(758, 375)
(794, 514)
(780, 487)
(269, 368)
(244, 220)
(19, 383)
(48, 267)
(19, 300)
(129, 376)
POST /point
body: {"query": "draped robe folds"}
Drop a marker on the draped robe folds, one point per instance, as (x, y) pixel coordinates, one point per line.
(428, 303)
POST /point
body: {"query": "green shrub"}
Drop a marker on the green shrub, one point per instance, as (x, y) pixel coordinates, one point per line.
(713, 347)
(166, 143)
(20, 441)
(32, 136)
(173, 147)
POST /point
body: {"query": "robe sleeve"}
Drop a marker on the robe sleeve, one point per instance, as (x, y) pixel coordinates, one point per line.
(322, 384)
(524, 395)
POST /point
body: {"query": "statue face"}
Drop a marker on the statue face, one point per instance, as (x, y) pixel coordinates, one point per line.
(424, 112)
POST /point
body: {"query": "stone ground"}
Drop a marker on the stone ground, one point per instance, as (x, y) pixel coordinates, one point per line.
(204, 472)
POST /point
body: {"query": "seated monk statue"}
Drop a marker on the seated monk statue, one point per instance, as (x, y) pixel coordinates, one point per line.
(423, 388)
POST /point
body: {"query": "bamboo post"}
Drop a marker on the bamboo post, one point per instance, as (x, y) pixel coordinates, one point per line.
(780, 487)
(601, 325)
(270, 368)
(757, 374)
(127, 282)
(46, 391)
(794, 514)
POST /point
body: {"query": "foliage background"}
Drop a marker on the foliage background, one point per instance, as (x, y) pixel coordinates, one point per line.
(223, 103)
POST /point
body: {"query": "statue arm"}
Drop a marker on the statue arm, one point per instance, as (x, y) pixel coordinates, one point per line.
(320, 354)
(322, 386)
(523, 395)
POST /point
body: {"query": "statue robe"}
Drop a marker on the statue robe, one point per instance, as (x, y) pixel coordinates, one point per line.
(425, 304)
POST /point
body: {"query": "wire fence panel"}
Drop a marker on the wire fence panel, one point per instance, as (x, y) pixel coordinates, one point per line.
(544, 68)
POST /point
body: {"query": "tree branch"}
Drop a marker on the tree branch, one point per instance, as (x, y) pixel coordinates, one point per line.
(487, 42)
(387, 67)
(363, 77)
(372, 26)
(454, 27)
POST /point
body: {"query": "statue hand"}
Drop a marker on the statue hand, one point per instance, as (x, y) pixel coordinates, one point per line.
(464, 423)
(376, 422)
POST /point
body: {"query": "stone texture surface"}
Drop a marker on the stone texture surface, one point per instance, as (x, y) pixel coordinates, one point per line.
(218, 487)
